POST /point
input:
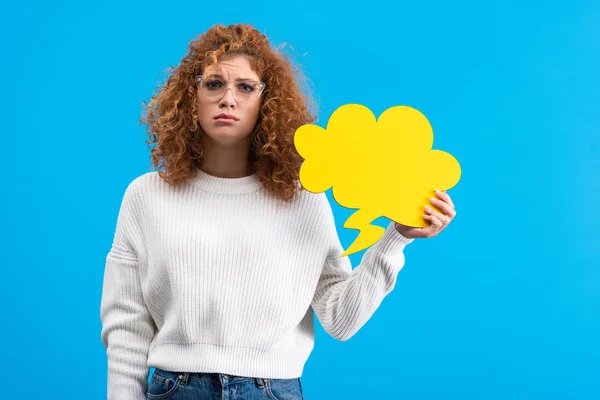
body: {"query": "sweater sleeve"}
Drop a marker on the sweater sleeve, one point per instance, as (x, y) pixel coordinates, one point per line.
(346, 298)
(127, 326)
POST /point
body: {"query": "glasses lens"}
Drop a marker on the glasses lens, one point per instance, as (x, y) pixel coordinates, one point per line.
(213, 88)
(247, 91)
(244, 91)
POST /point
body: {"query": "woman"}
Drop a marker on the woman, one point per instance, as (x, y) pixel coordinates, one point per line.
(220, 260)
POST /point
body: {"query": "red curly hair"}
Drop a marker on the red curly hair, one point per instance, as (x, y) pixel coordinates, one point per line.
(172, 122)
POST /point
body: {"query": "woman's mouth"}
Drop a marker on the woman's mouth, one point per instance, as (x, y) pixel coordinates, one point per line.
(225, 120)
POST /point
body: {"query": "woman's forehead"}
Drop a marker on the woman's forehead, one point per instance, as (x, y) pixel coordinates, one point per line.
(232, 67)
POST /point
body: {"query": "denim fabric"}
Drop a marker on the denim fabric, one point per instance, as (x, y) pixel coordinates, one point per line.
(214, 386)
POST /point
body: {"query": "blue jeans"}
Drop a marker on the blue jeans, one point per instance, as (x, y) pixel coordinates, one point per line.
(214, 386)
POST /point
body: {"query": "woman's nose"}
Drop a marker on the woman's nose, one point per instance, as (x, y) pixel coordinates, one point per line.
(228, 99)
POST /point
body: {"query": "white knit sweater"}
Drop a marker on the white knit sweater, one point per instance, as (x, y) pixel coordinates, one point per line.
(216, 275)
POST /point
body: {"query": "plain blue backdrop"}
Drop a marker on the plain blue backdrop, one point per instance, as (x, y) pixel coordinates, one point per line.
(503, 304)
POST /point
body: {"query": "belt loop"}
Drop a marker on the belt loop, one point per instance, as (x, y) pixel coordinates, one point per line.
(184, 378)
(260, 382)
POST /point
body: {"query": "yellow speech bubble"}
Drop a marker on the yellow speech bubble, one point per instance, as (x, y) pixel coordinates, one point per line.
(383, 167)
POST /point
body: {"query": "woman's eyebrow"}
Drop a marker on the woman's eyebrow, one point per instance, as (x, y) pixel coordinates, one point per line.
(238, 79)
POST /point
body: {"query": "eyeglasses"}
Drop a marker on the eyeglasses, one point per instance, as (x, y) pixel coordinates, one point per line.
(243, 91)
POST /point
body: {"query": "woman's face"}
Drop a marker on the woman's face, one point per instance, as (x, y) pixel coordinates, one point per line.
(236, 71)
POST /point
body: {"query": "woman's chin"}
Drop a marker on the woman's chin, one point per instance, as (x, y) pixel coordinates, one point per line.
(226, 134)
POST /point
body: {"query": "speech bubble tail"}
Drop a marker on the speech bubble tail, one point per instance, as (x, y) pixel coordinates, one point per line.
(367, 237)
(368, 234)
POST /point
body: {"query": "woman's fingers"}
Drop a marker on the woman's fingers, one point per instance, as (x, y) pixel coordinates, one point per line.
(445, 197)
(436, 224)
(445, 207)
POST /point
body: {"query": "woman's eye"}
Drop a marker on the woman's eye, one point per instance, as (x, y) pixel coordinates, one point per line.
(245, 87)
(213, 84)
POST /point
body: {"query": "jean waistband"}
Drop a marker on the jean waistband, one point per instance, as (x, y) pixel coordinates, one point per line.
(224, 379)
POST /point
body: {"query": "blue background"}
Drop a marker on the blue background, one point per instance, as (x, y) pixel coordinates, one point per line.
(503, 304)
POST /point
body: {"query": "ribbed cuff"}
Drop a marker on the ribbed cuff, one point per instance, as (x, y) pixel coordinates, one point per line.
(392, 241)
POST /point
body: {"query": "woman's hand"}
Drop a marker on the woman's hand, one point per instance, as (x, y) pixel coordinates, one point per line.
(438, 220)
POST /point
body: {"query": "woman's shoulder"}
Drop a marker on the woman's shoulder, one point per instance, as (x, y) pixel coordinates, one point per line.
(145, 178)
(141, 185)
(317, 201)
(148, 181)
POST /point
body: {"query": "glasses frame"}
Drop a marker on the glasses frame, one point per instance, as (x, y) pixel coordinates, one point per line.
(261, 86)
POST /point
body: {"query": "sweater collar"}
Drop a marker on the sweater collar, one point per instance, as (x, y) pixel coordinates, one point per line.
(216, 184)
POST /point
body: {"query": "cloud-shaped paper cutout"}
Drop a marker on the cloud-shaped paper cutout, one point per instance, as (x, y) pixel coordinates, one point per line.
(383, 167)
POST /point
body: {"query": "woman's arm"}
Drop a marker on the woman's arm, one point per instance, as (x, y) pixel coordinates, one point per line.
(346, 298)
(127, 326)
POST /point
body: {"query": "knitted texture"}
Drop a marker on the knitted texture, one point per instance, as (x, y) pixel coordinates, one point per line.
(216, 275)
